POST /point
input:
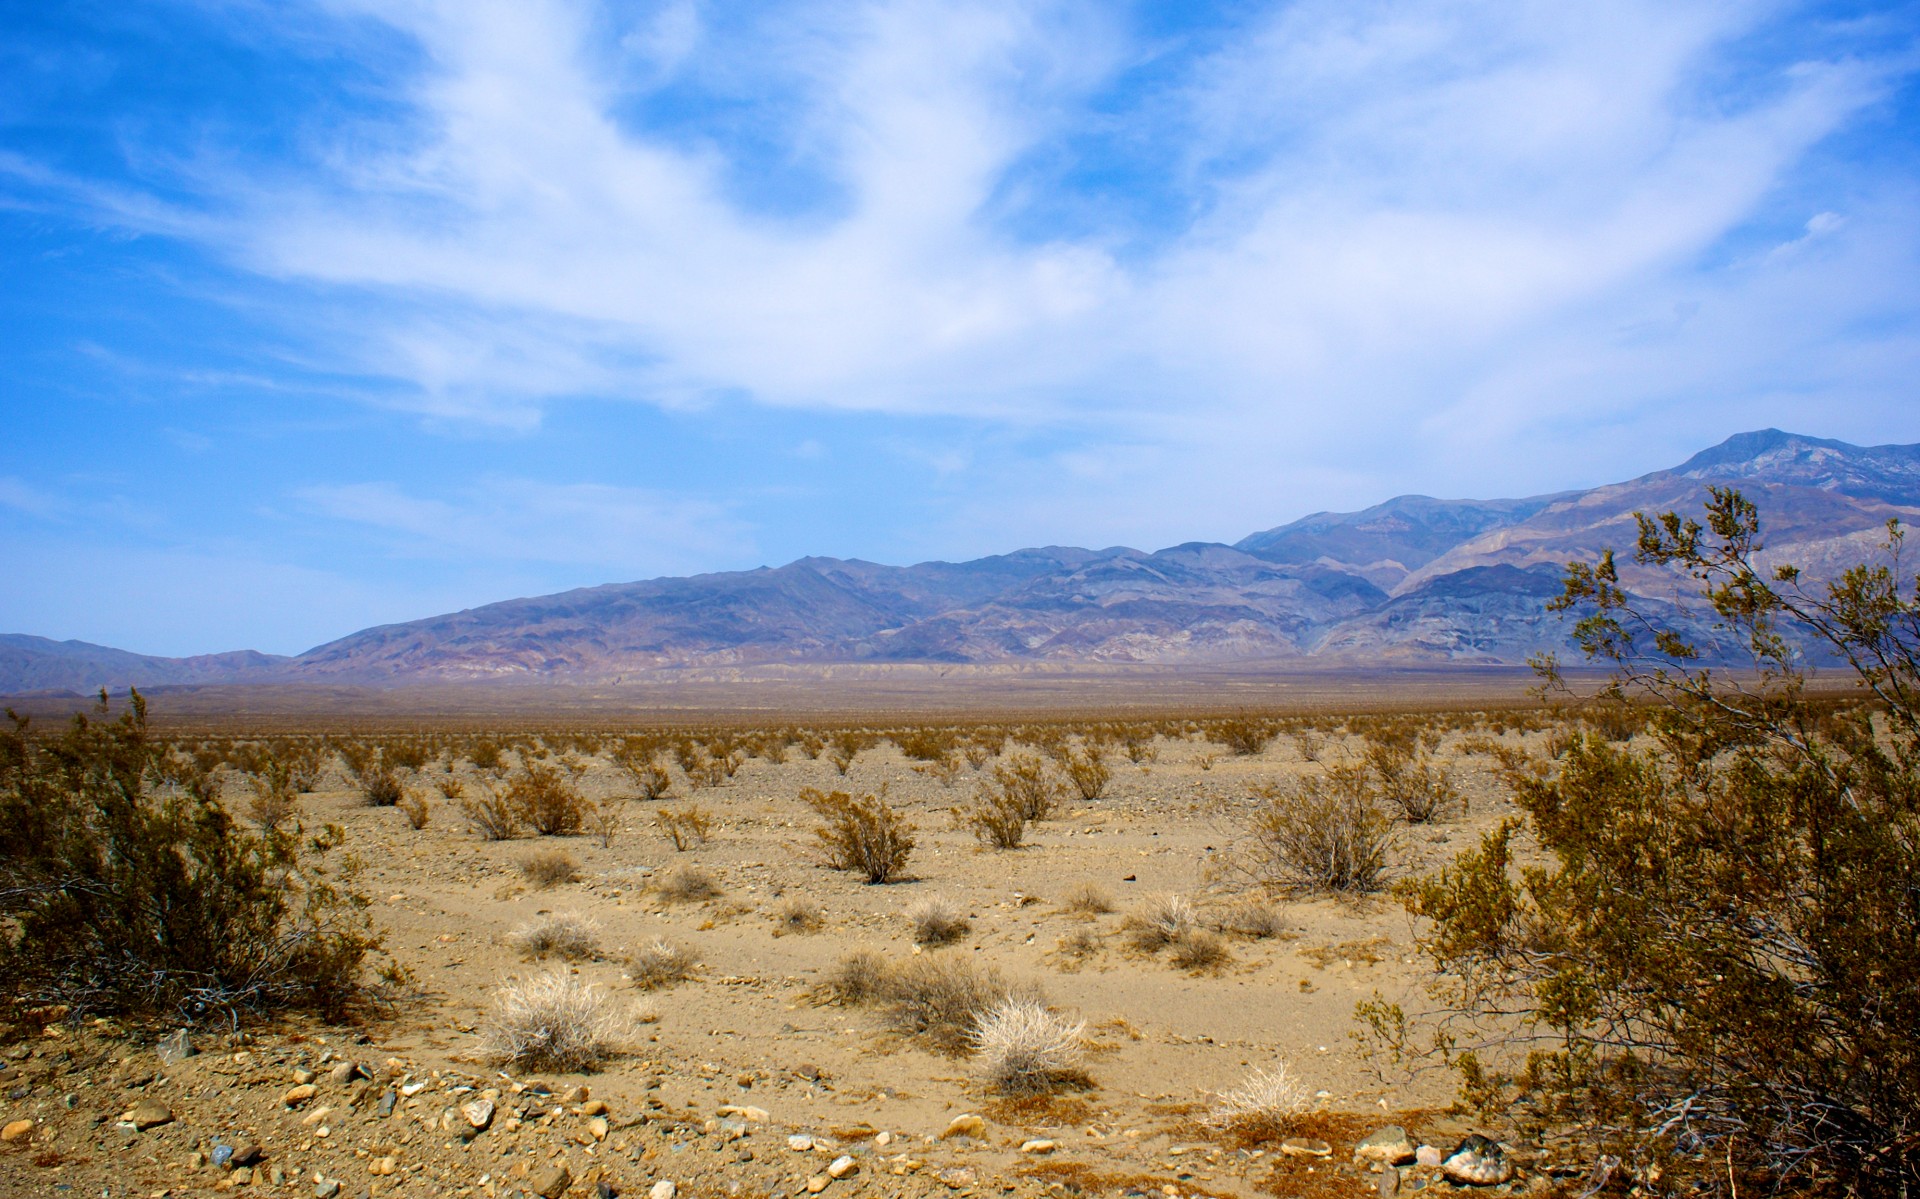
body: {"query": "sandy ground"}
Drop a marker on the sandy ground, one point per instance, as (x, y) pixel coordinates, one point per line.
(749, 1030)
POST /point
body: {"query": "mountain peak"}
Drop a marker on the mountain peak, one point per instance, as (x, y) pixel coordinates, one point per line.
(1887, 472)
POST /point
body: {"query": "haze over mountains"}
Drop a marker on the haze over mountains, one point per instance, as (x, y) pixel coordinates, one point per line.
(1412, 581)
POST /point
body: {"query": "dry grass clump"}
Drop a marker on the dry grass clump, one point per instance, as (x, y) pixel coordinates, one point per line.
(936, 921)
(864, 835)
(550, 868)
(686, 884)
(1162, 921)
(660, 964)
(1252, 920)
(1087, 899)
(494, 817)
(1199, 949)
(553, 1021)
(1024, 1049)
(997, 819)
(939, 999)
(798, 916)
(417, 808)
(1024, 781)
(568, 935)
(859, 978)
(1266, 1107)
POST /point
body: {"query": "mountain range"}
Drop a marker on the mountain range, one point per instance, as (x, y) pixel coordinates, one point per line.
(1412, 581)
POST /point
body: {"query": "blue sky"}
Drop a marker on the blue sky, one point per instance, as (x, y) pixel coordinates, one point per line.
(324, 314)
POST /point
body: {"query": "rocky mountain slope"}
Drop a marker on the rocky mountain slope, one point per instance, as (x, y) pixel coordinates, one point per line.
(1412, 580)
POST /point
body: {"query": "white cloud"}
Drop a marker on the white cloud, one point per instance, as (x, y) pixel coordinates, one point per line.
(628, 532)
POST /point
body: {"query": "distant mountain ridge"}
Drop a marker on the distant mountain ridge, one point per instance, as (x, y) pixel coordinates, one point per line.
(1413, 580)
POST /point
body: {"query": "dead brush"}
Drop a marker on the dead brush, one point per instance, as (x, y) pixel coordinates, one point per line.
(660, 964)
(684, 828)
(494, 817)
(1252, 920)
(936, 921)
(568, 935)
(551, 868)
(996, 819)
(1324, 834)
(798, 916)
(1162, 921)
(417, 808)
(1024, 1049)
(1087, 899)
(940, 999)
(553, 1021)
(860, 978)
(1200, 950)
(686, 884)
(864, 835)
(1266, 1107)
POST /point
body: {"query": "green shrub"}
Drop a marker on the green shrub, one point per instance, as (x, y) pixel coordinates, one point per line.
(1719, 949)
(126, 887)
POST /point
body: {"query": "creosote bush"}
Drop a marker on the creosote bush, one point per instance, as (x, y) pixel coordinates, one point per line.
(547, 802)
(126, 887)
(1024, 1049)
(568, 935)
(1087, 899)
(494, 817)
(684, 828)
(554, 1021)
(864, 835)
(798, 916)
(998, 820)
(1713, 963)
(1326, 834)
(417, 809)
(382, 786)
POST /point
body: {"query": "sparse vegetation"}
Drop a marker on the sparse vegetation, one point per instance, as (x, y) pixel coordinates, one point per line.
(547, 802)
(864, 835)
(550, 868)
(684, 828)
(1265, 1107)
(1087, 899)
(494, 817)
(660, 964)
(936, 921)
(799, 916)
(554, 1021)
(1024, 1049)
(567, 935)
(1325, 834)
(686, 884)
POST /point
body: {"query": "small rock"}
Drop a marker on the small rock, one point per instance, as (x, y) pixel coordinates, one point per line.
(18, 1130)
(276, 1176)
(818, 1183)
(150, 1113)
(595, 1107)
(326, 1188)
(759, 1115)
(965, 1126)
(175, 1047)
(604, 1190)
(479, 1114)
(842, 1166)
(1040, 1145)
(662, 1190)
(1389, 1146)
(304, 1076)
(1427, 1156)
(577, 1095)
(343, 1073)
(1477, 1162)
(958, 1178)
(387, 1102)
(222, 1156)
(196, 1160)
(241, 1176)
(382, 1166)
(246, 1153)
(1389, 1182)
(296, 1096)
(1305, 1147)
(553, 1181)
(598, 1127)
(883, 1139)
(799, 1142)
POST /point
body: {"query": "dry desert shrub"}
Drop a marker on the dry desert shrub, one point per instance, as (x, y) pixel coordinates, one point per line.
(942, 998)
(1024, 781)
(1409, 779)
(382, 786)
(686, 884)
(639, 758)
(1162, 921)
(936, 921)
(553, 1021)
(1324, 834)
(864, 835)
(568, 935)
(272, 804)
(1199, 949)
(494, 817)
(1252, 920)
(995, 818)
(660, 964)
(550, 868)
(859, 978)
(1087, 772)
(1024, 1049)
(1265, 1107)
(417, 809)
(1087, 899)
(1244, 736)
(684, 828)
(798, 916)
(546, 801)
